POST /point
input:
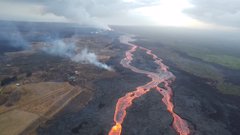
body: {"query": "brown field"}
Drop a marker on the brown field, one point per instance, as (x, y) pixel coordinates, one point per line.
(37, 101)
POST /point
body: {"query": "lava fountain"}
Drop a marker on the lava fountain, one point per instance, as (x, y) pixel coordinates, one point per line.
(161, 77)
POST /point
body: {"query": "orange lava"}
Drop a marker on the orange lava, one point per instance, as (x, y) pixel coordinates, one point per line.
(116, 129)
(163, 76)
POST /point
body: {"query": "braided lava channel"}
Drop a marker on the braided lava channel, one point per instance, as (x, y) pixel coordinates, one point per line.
(162, 76)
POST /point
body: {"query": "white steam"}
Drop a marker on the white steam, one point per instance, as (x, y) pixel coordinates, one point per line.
(90, 57)
(60, 48)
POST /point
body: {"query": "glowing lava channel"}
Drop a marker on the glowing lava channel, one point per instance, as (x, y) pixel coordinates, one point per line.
(163, 76)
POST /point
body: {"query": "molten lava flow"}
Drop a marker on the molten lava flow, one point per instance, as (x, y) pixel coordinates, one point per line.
(163, 76)
(116, 130)
(178, 123)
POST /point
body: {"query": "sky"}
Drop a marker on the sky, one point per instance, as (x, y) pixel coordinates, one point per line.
(220, 14)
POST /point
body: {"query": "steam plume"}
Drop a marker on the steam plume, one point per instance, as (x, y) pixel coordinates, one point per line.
(60, 48)
(89, 57)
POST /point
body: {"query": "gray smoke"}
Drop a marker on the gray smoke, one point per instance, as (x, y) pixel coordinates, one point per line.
(60, 48)
(90, 57)
(12, 36)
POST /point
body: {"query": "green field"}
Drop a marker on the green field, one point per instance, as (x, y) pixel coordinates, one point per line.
(205, 71)
(228, 88)
(231, 62)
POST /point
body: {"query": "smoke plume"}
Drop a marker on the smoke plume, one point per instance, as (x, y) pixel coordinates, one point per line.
(89, 57)
(60, 48)
(12, 36)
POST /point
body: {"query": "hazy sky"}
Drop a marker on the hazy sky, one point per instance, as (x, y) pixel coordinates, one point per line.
(179, 13)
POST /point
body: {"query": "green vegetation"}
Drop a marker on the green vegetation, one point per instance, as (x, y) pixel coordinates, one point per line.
(224, 60)
(228, 88)
(207, 71)
(201, 70)
(196, 68)
(1, 91)
(209, 55)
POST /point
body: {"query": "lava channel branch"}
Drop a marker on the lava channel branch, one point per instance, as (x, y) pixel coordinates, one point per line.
(163, 76)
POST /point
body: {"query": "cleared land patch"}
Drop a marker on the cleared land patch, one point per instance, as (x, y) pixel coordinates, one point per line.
(36, 103)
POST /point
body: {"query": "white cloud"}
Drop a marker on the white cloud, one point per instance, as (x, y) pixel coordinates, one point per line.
(100, 13)
(220, 12)
(27, 12)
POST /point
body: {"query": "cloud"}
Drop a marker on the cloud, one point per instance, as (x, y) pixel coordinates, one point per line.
(84, 12)
(17, 11)
(95, 12)
(101, 13)
(98, 13)
(221, 12)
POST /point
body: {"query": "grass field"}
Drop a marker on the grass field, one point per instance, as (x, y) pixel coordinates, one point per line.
(204, 71)
(210, 55)
(228, 88)
(228, 61)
